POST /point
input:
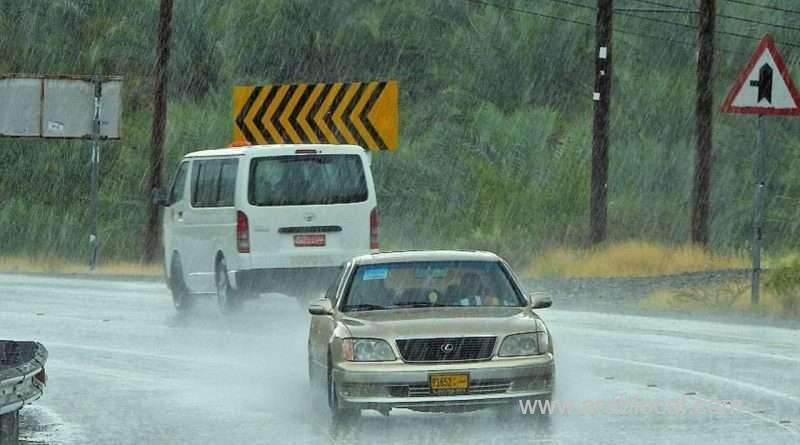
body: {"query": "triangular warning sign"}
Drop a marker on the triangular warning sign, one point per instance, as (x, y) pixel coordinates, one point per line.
(764, 87)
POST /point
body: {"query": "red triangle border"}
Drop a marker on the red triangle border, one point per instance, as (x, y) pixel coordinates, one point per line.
(767, 44)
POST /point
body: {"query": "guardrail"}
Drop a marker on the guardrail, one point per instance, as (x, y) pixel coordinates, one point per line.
(22, 380)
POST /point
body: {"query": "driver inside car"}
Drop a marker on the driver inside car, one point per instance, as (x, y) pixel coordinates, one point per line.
(471, 291)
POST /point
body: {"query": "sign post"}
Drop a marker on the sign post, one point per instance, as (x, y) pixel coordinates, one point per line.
(64, 107)
(763, 88)
(93, 241)
(759, 165)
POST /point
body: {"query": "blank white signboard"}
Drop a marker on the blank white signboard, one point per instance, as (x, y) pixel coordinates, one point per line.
(20, 107)
(58, 107)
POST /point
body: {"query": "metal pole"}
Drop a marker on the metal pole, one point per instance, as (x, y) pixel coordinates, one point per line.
(759, 173)
(93, 241)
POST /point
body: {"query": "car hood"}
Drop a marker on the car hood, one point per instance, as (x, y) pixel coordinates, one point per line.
(440, 322)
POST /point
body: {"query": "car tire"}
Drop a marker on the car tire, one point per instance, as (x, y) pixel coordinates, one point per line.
(338, 412)
(227, 298)
(182, 299)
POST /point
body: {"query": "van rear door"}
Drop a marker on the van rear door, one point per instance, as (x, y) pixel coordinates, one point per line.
(309, 209)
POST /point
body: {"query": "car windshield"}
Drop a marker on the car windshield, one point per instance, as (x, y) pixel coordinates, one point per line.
(307, 180)
(430, 284)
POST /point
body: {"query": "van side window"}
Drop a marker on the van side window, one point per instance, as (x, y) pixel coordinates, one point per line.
(205, 179)
(214, 183)
(227, 182)
(178, 183)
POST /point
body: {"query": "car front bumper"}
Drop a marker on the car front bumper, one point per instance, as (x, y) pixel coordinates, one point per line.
(405, 385)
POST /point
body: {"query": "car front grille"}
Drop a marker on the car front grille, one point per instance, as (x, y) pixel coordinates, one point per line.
(456, 349)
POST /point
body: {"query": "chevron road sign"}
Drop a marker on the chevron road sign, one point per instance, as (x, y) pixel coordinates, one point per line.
(357, 113)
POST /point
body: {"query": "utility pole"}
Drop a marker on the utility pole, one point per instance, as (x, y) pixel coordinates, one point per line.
(701, 192)
(159, 124)
(602, 103)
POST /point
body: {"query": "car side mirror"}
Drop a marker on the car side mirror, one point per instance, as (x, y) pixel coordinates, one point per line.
(322, 306)
(159, 198)
(540, 300)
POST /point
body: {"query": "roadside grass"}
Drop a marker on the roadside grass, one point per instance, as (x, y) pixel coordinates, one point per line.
(56, 265)
(727, 298)
(630, 259)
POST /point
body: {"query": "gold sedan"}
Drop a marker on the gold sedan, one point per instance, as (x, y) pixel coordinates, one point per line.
(428, 331)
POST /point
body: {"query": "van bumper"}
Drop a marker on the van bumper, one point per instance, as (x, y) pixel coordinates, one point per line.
(299, 282)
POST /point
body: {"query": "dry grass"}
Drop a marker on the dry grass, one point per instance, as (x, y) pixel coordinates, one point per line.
(63, 266)
(629, 259)
(732, 297)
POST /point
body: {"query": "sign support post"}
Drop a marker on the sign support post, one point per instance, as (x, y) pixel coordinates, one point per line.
(93, 241)
(759, 166)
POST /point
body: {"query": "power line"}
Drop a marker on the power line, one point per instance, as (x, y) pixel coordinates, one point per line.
(591, 25)
(720, 32)
(680, 9)
(525, 11)
(655, 11)
(577, 5)
(665, 5)
(756, 5)
(655, 20)
(758, 22)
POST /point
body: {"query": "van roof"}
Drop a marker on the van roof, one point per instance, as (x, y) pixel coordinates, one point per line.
(277, 149)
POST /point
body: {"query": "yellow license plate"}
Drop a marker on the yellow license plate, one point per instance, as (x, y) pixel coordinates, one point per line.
(449, 382)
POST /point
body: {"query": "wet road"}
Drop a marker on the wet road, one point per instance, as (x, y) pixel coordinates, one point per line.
(124, 368)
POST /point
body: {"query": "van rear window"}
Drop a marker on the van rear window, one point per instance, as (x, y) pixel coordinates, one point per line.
(307, 180)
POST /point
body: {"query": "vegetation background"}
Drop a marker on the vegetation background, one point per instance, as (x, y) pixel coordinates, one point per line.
(496, 107)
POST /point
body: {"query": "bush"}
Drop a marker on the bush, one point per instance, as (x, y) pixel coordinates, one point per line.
(784, 282)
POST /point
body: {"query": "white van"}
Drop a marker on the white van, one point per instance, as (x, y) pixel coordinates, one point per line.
(277, 218)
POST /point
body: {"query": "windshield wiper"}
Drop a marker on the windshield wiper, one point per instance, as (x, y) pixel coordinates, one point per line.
(363, 307)
(420, 304)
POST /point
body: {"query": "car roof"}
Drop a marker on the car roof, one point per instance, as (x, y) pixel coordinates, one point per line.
(425, 255)
(277, 150)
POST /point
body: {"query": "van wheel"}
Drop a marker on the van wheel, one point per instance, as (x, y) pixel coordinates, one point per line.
(181, 297)
(227, 298)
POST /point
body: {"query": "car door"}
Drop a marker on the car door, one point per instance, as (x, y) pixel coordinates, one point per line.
(172, 219)
(322, 326)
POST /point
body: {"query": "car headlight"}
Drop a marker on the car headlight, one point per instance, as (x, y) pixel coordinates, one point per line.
(520, 344)
(531, 343)
(367, 350)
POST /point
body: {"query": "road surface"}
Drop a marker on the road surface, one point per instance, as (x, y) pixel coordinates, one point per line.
(124, 368)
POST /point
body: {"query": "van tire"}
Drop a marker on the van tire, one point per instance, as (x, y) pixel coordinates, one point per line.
(228, 299)
(182, 299)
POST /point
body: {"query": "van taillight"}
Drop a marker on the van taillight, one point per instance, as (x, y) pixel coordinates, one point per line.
(242, 233)
(373, 229)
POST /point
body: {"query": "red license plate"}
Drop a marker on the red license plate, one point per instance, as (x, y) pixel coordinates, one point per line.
(309, 240)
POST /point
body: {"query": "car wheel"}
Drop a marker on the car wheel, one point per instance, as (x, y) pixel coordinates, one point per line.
(181, 297)
(338, 412)
(227, 298)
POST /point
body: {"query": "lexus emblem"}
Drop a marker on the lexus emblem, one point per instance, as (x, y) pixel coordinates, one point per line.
(447, 348)
(308, 217)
